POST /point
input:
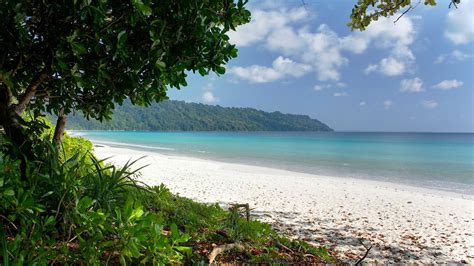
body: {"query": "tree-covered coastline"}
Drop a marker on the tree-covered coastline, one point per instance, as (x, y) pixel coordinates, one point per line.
(182, 116)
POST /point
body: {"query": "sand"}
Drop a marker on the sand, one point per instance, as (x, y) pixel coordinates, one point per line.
(404, 224)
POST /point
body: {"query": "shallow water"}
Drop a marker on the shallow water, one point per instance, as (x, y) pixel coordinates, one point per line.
(437, 160)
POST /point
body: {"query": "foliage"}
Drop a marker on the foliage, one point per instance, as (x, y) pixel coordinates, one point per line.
(210, 225)
(86, 55)
(60, 215)
(62, 56)
(74, 211)
(367, 11)
(110, 184)
(44, 134)
(181, 116)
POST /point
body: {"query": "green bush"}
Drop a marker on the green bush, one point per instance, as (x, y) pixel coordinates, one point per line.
(75, 209)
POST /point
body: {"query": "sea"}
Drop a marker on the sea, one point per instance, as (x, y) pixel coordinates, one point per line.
(443, 161)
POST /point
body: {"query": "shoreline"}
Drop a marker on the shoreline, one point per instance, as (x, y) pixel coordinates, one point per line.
(404, 223)
(464, 189)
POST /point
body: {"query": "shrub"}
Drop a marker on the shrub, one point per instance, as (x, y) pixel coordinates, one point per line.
(75, 209)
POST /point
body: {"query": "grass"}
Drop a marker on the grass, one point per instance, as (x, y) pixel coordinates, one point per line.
(210, 226)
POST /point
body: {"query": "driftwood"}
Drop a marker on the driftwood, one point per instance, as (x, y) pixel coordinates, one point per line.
(223, 248)
(235, 207)
(282, 246)
(365, 255)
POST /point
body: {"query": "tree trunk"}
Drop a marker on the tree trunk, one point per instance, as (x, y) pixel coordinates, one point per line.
(59, 130)
(9, 120)
(16, 135)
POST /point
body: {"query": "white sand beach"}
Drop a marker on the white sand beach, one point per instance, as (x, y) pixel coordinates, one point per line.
(403, 223)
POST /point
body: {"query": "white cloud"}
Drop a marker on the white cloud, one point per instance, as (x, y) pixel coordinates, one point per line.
(208, 97)
(318, 88)
(452, 57)
(385, 35)
(355, 43)
(256, 73)
(289, 67)
(208, 94)
(263, 23)
(340, 94)
(431, 104)
(460, 23)
(319, 49)
(341, 84)
(411, 85)
(448, 84)
(370, 68)
(387, 104)
(362, 103)
(388, 67)
(281, 68)
(321, 87)
(280, 39)
(284, 31)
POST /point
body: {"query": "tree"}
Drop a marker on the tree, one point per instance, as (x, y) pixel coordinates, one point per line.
(367, 11)
(87, 55)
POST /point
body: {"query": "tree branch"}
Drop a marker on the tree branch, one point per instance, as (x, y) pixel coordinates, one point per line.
(30, 91)
(454, 2)
(406, 11)
(112, 23)
(367, 250)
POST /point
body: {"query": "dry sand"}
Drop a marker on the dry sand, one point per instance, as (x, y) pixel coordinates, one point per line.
(404, 224)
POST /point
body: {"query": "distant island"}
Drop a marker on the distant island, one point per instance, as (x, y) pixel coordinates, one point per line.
(183, 116)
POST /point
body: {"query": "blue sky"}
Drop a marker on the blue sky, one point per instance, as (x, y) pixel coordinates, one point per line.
(415, 75)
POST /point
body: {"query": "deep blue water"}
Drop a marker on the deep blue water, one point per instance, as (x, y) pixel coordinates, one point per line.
(436, 160)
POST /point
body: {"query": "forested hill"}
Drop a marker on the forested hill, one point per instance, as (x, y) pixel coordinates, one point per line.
(182, 116)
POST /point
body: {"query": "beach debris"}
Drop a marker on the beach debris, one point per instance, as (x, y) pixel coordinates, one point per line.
(223, 248)
(283, 246)
(367, 250)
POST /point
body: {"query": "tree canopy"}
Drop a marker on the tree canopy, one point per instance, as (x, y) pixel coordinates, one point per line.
(85, 55)
(182, 116)
(367, 11)
(60, 56)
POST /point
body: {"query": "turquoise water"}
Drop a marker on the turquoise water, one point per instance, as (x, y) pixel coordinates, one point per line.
(437, 160)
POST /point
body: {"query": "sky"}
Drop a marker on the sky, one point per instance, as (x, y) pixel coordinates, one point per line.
(300, 57)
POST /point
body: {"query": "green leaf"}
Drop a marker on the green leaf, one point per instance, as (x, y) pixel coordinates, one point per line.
(122, 260)
(9, 192)
(121, 38)
(136, 213)
(61, 63)
(233, 52)
(220, 70)
(174, 231)
(184, 249)
(202, 71)
(50, 220)
(160, 64)
(78, 48)
(47, 194)
(85, 203)
(145, 9)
